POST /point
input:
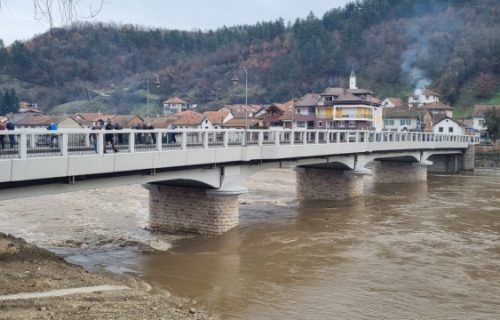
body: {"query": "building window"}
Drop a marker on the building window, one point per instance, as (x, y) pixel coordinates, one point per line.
(330, 124)
(341, 124)
(441, 129)
(328, 99)
(404, 122)
(450, 129)
(481, 122)
(320, 124)
(298, 111)
(301, 124)
(389, 122)
(352, 124)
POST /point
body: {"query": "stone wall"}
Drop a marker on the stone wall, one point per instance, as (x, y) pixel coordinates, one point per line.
(399, 172)
(487, 160)
(178, 209)
(328, 184)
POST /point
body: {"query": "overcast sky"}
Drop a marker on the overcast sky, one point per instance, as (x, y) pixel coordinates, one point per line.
(17, 17)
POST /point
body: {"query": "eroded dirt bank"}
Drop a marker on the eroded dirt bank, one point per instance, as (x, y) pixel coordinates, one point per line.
(26, 268)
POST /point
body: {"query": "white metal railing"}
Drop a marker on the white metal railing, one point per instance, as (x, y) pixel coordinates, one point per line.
(37, 143)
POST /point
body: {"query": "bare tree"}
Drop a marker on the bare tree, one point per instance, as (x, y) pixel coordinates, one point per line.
(69, 10)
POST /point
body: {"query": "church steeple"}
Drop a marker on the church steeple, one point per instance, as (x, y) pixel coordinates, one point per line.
(352, 80)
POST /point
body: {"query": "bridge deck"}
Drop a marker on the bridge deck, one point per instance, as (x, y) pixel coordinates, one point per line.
(36, 154)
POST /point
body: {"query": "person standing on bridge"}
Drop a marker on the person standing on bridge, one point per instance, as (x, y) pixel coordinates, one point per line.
(2, 140)
(12, 139)
(93, 136)
(109, 137)
(53, 137)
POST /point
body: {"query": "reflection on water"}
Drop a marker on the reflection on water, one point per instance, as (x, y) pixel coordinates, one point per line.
(404, 251)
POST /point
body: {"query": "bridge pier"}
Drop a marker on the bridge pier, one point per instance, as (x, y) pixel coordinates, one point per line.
(445, 163)
(386, 171)
(328, 183)
(176, 209)
(468, 158)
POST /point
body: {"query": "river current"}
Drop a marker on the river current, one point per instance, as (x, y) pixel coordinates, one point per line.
(403, 251)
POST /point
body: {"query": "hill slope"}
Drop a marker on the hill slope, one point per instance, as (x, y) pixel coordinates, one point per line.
(394, 46)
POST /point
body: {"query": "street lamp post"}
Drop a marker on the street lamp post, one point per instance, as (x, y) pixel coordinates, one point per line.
(236, 80)
(157, 84)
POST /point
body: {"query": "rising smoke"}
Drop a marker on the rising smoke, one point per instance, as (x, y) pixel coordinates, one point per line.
(418, 49)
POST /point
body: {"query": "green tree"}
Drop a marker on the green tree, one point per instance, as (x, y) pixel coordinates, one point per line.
(492, 122)
(9, 102)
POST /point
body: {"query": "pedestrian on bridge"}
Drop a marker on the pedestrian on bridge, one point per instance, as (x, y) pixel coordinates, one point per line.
(2, 128)
(12, 139)
(53, 137)
(93, 136)
(109, 137)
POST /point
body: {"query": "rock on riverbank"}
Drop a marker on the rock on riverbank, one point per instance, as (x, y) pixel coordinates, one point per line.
(26, 268)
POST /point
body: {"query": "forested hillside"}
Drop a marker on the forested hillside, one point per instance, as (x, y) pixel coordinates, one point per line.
(451, 46)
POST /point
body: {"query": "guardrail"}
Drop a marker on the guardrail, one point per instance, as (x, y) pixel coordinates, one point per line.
(37, 143)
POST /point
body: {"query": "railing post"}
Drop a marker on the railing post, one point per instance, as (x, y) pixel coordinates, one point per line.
(277, 138)
(316, 137)
(337, 137)
(100, 142)
(261, 138)
(356, 137)
(131, 142)
(225, 139)
(205, 140)
(184, 140)
(327, 137)
(87, 140)
(23, 146)
(63, 145)
(159, 143)
(292, 137)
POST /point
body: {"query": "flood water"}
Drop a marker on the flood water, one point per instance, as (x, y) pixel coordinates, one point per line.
(403, 251)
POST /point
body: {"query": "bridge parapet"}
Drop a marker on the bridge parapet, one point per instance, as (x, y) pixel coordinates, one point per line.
(39, 154)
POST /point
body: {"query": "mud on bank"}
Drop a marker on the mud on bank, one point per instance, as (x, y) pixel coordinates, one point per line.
(26, 268)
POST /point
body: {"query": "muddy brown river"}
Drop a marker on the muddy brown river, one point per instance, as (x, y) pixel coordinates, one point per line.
(403, 251)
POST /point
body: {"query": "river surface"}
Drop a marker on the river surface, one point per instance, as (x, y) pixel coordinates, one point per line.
(403, 251)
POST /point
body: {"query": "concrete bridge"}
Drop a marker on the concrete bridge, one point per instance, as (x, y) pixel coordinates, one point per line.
(194, 176)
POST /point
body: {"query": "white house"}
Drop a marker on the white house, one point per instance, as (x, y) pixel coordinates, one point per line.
(392, 102)
(447, 125)
(421, 97)
(191, 120)
(478, 116)
(401, 121)
(218, 118)
(174, 105)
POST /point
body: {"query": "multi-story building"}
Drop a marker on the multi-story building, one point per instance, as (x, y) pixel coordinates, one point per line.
(304, 116)
(339, 108)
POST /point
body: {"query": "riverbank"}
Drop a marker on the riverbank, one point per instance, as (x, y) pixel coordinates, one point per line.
(25, 268)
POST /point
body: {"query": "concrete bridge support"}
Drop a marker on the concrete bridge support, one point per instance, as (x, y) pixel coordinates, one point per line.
(468, 158)
(193, 210)
(329, 184)
(386, 171)
(453, 163)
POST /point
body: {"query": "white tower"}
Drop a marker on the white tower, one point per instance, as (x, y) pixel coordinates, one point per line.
(352, 80)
